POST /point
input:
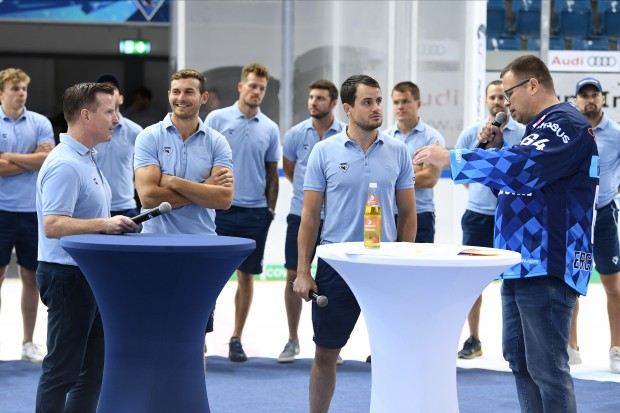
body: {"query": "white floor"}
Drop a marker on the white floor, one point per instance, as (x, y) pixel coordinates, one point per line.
(266, 332)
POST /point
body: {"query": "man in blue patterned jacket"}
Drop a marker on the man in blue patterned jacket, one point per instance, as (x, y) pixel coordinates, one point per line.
(546, 188)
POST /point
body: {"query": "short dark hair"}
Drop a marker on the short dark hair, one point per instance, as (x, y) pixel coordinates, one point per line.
(80, 96)
(411, 87)
(530, 66)
(348, 89)
(191, 74)
(256, 68)
(493, 83)
(325, 85)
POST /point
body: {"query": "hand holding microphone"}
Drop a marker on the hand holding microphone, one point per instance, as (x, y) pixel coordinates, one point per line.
(162, 209)
(321, 300)
(500, 118)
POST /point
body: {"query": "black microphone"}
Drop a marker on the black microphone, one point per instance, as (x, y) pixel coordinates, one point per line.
(500, 118)
(162, 209)
(321, 300)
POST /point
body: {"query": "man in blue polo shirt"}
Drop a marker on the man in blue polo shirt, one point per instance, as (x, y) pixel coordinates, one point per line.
(478, 220)
(337, 177)
(410, 128)
(589, 99)
(115, 158)
(26, 138)
(298, 144)
(73, 197)
(255, 143)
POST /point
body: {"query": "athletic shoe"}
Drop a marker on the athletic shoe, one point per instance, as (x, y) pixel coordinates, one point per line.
(574, 357)
(614, 359)
(339, 361)
(369, 359)
(235, 350)
(291, 349)
(472, 348)
(32, 352)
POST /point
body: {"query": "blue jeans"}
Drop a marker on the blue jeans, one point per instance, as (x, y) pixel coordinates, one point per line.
(537, 313)
(72, 371)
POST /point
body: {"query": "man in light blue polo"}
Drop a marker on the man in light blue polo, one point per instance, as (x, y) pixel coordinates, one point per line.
(298, 143)
(410, 128)
(115, 158)
(73, 197)
(478, 220)
(590, 99)
(255, 143)
(337, 177)
(26, 138)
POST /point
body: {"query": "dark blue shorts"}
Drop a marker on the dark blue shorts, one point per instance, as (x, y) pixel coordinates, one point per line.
(290, 247)
(426, 227)
(19, 230)
(606, 247)
(477, 229)
(333, 323)
(251, 223)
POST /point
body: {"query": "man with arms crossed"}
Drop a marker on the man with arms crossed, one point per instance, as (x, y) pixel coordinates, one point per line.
(255, 143)
(546, 188)
(26, 138)
(589, 100)
(298, 143)
(339, 171)
(73, 197)
(479, 218)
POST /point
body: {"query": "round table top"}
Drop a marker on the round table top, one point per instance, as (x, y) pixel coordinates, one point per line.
(408, 253)
(157, 242)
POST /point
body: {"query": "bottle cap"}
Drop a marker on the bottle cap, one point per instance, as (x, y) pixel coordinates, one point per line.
(372, 185)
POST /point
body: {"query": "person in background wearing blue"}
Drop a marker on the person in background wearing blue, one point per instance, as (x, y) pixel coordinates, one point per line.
(26, 138)
(546, 187)
(411, 130)
(590, 99)
(298, 143)
(115, 158)
(337, 177)
(478, 220)
(73, 197)
(255, 143)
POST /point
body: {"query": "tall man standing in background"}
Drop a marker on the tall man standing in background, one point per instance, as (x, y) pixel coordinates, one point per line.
(589, 99)
(255, 143)
(478, 220)
(73, 197)
(115, 158)
(298, 143)
(411, 130)
(26, 138)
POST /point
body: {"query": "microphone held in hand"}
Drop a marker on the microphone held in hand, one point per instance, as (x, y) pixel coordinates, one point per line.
(321, 300)
(162, 209)
(500, 118)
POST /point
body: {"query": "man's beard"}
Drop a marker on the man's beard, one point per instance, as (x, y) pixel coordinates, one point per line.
(320, 115)
(369, 126)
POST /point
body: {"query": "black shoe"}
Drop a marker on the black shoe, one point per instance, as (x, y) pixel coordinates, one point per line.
(368, 359)
(472, 348)
(235, 352)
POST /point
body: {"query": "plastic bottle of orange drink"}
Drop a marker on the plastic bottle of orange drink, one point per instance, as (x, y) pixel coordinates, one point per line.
(372, 219)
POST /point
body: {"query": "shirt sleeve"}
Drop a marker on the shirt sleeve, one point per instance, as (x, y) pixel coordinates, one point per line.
(60, 189)
(288, 146)
(146, 148)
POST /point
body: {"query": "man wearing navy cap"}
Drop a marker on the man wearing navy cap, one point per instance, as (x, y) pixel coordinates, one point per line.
(589, 99)
(115, 158)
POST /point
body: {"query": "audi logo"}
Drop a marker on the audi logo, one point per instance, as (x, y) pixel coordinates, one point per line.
(602, 61)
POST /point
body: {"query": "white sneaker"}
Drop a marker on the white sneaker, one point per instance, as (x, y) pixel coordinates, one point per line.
(614, 360)
(574, 357)
(291, 349)
(339, 361)
(32, 352)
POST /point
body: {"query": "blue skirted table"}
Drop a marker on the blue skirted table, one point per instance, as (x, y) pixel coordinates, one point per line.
(155, 293)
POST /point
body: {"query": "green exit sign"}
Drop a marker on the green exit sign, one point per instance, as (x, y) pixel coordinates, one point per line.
(134, 47)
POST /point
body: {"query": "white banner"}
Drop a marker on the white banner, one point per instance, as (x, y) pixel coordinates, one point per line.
(583, 61)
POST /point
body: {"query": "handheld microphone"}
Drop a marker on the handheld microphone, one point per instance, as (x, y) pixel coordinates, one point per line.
(162, 209)
(321, 300)
(500, 118)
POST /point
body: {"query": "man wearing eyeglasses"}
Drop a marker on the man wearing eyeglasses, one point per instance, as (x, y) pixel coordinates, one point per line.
(546, 191)
(589, 100)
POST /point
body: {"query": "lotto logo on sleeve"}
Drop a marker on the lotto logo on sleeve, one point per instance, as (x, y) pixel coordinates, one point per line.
(582, 261)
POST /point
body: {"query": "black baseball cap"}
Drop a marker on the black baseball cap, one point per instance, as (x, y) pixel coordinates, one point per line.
(109, 78)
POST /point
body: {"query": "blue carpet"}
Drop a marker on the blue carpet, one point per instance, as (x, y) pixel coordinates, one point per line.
(262, 385)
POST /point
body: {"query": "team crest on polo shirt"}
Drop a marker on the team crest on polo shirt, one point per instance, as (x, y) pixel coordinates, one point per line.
(344, 166)
(168, 150)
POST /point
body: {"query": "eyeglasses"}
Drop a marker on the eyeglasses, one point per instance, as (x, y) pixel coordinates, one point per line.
(508, 92)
